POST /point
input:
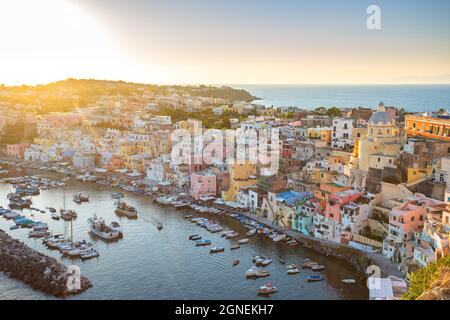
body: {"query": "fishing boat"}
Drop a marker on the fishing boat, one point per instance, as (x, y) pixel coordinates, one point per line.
(244, 241)
(236, 262)
(315, 278)
(99, 228)
(202, 242)
(293, 271)
(216, 249)
(126, 210)
(235, 246)
(159, 226)
(250, 273)
(267, 289)
(349, 281)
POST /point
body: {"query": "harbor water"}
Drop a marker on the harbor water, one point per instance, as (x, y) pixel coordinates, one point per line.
(151, 264)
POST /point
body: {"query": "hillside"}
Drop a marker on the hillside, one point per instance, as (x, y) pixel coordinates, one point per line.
(430, 283)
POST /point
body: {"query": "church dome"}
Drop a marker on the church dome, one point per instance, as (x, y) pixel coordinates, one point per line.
(381, 118)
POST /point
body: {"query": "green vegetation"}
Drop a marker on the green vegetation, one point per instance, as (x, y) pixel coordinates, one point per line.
(67, 95)
(209, 119)
(422, 280)
(334, 112)
(16, 133)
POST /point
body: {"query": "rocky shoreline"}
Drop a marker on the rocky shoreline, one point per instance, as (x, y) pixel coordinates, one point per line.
(37, 270)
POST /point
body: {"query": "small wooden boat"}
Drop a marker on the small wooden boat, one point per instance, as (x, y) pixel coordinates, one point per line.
(235, 262)
(315, 278)
(216, 249)
(235, 246)
(202, 242)
(267, 289)
(349, 281)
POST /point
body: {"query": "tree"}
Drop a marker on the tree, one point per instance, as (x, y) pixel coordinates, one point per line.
(334, 112)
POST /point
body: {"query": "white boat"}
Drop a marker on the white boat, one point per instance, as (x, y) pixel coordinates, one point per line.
(252, 232)
(55, 216)
(291, 266)
(266, 262)
(267, 289)
(349, 281)
(89, 254)
(126, 210)
(244, 241)
(80, 250)
(293, 271)
(251, 272)
(279, 237)
(216, 249)
(99, 228)
(231, 235)
(38, 233)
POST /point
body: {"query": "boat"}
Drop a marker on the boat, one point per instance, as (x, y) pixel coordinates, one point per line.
(188, 217)
(117, 195)
(83, 248)
(279, 237)
(318, 268)
(126, 210)
(266, 262)
(349, 281)
(252, 232)
(262, 273)
(68, 215)
(250, 273)
(51, 209)
(159, 226)
(235, 246)
(99, 228)
(291, 266)
(309, 265)
(216, 249)
(55, 216)
(293, 271)
(267, 289)
(195, 237)
(315, 278)
(89, 254)
(14, 227)
(244, 241)
(236, 262)
(231, 235)
(38, 233)
(202, 242)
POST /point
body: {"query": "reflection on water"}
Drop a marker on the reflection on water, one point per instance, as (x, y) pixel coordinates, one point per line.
(152, 264)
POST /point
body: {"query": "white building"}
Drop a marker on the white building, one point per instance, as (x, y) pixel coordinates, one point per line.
(342, 132)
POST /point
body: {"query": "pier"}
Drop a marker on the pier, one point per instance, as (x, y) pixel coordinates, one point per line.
(39, 271)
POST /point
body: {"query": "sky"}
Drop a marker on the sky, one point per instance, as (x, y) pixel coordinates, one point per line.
(224, 42)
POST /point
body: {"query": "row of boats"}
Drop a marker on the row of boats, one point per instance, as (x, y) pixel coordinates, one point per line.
(74, 249)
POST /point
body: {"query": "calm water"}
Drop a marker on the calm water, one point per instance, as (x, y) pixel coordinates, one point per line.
(410, 97)
(152, 264)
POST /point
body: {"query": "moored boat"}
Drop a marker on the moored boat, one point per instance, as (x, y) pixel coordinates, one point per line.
(235, 246)
(293, 271)
(349, 281)
(99, 228)
(216, 249)
(244, 241)
(267, 289)
(202, 242)
(315, 278)
(126, 210)
(236, 262)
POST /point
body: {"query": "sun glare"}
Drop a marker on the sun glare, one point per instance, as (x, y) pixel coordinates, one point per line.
(47, 40)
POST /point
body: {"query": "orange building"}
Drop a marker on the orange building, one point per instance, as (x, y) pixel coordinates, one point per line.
(428, 127)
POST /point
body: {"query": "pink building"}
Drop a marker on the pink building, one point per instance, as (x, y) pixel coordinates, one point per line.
(203, 184)
(16, 150)
(405, 220)
(338, 200)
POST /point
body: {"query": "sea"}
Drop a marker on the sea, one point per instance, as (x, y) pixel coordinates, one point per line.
(151, 264)
(412, 98)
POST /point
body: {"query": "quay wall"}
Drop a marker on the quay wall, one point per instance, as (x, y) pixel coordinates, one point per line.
(37, 270)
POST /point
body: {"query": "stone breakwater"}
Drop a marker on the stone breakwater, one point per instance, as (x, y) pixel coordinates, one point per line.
(39, 271)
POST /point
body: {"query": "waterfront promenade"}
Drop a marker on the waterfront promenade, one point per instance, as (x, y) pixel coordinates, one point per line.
(386, 266)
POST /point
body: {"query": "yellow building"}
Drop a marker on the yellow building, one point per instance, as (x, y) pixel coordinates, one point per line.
(382, 139)
(242, 174)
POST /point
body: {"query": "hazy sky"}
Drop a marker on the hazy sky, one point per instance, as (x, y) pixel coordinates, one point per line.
(209, 41)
